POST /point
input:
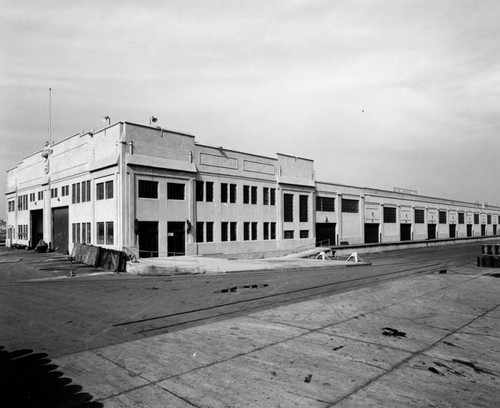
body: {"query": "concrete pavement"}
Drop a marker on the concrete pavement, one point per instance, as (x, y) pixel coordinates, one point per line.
(421, 341)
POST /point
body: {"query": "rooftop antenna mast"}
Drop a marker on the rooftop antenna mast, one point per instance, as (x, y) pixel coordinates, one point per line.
(50, 116)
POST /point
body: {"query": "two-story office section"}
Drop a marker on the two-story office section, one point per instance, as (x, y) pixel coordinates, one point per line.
(156, 192)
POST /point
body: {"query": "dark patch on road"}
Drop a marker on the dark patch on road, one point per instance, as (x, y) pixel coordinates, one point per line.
(236, 288)
(473, 366)
(308, 378)
(29, 380)
(389, 331)
(494, 275)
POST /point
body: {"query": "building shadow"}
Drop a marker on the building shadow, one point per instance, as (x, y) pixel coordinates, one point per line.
(29, 379)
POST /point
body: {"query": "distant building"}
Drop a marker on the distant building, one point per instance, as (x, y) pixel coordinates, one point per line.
(156, 192)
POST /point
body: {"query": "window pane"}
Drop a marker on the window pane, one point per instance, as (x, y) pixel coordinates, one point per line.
(148, 189)
(109, 189)
(288, 234)
(100, 233)
(232, 193)
(288, 207)
(350, 206)
(442, 217)
(273, 196)
(99, 191)
(210, 191)
(419, 216)
(304, 233)
(254, 195)
(246, 194)
(199, 190)
(254, 231)
(224, 231)
(210, 231)
(175, 191)
(303, 208)
(265, 196)
(109, 233)
(266, 230)
(325, 204)
(246, 231)
(199, 231)
(389, 215)
(223, 192)
(233, 231)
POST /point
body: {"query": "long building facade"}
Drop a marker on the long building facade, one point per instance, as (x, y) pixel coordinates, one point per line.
(154, 192)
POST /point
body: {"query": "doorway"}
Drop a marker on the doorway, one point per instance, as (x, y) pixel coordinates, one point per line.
(60, 229)
(405, 232)
(453, 230)
(371, 233)
(469, 230)
(431, 231)
(176, 238)
(36, 227)
(148, 239)
(325, 232)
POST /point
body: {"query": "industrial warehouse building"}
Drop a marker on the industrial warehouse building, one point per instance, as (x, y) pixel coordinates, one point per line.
(155, 192)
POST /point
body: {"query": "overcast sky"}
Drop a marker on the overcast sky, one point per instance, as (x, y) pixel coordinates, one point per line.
(378, 93)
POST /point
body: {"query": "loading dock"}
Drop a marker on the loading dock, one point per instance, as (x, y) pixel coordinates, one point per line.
(36, 227)
(148, 239)
(371, 233)
(405, 232)
(325, 232)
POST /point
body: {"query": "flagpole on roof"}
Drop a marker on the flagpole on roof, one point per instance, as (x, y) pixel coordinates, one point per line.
(50, 115)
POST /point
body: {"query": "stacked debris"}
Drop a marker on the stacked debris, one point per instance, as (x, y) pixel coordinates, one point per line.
(490, 257)
(99, 257)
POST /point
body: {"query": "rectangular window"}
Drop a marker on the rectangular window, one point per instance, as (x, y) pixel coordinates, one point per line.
(99, 191)
(350, 206)
(84, 191)
(148, 189)
(246, 194)
(78, 199)
(326, 204)
(266, 230)
(461, 218)
(488, 217)
(273, 196)
(73, 230)
(273, 230)
(100, 233)
(442, 217)
(32, 197)
(88, 190)
(53, 193)
(175, 191)
(304, 233)
(303, 208)
(246, 231)
(110, 233)
(232, 193)
(288, 207)
(233, 231)
(254, 231)
(223, 192)
(210, 231)
(476, 218)
(419, 216)
(265, 196)
(223, 231)
(254, 195)
(389, 215)
(40, 195)
(289, 234)
(84, 233)
(199, 232)
(89, 235)
(199, 191)
(209, 187)
(109, 189)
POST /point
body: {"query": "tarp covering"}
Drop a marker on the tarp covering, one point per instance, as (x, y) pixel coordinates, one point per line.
(99, 257)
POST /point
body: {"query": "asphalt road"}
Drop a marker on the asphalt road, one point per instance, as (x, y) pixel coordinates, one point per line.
(64, 316)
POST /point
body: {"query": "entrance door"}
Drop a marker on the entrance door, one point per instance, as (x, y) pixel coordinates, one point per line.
(176, 238)
(36, 227)
(405, 232)
(483, 230)
(148, 239)
(469, 230)
(60, 229)
(371, 233)
(453, 230)
(325, 232)
(431, 231)
(494, 229)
